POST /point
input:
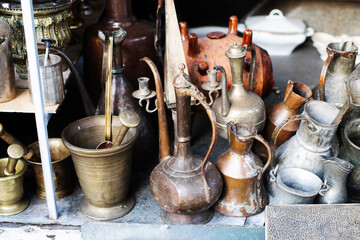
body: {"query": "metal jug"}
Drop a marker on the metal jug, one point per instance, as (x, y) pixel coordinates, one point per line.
(314, 139)
(337, 67)
(238, 105)
(121, 99)
(295, 186)
(7, 74)
(12, 171)
(335, 177)
(184, 185)
(350, 151)
(296, 95)
(242, 171)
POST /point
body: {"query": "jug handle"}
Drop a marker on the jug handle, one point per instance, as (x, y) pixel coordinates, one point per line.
(324, 188)
(324, 69)
(278, 129)
(252, 68)
(194, 92)
(225, 102)
(270, 151)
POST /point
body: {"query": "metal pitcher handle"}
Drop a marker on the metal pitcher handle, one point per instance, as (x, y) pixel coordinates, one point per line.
(252, 68)
(194, 92)
(278, 129)
(270, 150)
(323, 75)
(324, 188)
(225, 101)
(273, 173)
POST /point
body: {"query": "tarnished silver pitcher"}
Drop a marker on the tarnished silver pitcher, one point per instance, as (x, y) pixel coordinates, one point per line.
(7, 74)
(335, 176)
(337, 67)
(315, 139)
(295, 186)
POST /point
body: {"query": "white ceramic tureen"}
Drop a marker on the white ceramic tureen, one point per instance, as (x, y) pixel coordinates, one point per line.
(276, 33)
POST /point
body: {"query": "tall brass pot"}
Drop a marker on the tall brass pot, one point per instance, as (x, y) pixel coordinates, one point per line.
(104, 174)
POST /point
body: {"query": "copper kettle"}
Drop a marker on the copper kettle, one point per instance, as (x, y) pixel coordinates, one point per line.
(238, 105)
(184, 185)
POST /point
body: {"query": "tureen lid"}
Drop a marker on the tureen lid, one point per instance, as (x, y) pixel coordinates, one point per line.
(275, 22)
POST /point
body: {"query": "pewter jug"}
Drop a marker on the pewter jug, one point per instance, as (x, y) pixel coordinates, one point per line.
(295, 186)
(238, 105)
(7, 74)
(184, 185)
(314, 139)
(337, 67)
(242, 171)
(350, 151)
(336, 172)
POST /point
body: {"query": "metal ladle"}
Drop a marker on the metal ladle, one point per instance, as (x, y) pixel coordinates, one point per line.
(128, 119)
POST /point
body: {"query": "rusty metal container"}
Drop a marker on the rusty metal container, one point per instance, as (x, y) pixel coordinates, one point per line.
(104, 174)
(62, 167)
(242, 171)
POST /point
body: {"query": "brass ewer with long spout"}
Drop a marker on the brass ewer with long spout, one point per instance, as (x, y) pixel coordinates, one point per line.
(184, 185)
(238, 105)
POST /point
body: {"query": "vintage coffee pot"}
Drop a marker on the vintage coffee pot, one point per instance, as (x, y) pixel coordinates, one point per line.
(184, 185)
(350, 151)
(207, 52)
(121, 99)
(296, 95)
(315, 139)
(12, 172)
(337, 67)
(336, 173)
(242, 171)
(238, 105)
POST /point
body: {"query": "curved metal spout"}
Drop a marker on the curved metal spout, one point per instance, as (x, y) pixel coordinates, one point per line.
(225, 101)
(164, 142)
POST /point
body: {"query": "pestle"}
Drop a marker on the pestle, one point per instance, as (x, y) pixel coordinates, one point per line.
(10, 139)
(15, 152)
(128, 119)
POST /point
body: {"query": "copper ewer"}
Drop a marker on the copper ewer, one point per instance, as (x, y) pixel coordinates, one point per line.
(62, 167)
(104, 174)
(184, 185)
(242, 171)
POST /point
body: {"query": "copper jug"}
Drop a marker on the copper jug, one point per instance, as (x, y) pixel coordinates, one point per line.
(296, 95)
(207, 52)
(184, 185)
(138, 44)
(121, 99)
(242, 171)
(337, 67)
(238, 105)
